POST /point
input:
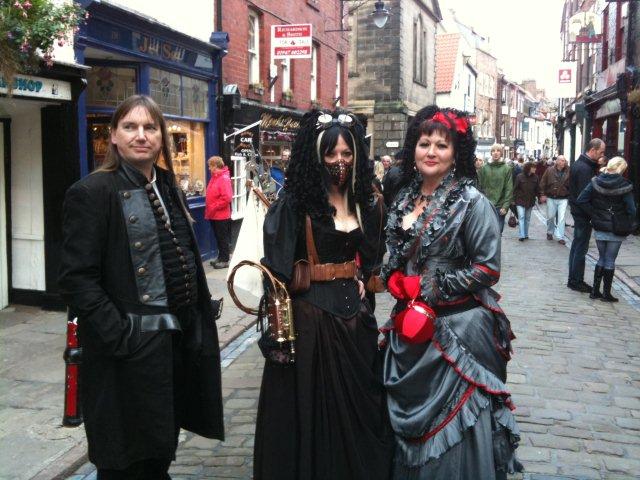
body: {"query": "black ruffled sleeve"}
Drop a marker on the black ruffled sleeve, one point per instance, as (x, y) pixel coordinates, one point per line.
(280, 238)
(372, 248)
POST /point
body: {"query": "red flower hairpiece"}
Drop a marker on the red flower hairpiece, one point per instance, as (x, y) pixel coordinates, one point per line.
(451, 120)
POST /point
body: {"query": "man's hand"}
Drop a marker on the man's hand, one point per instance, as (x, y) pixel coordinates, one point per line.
(503, 211)
(543, 199)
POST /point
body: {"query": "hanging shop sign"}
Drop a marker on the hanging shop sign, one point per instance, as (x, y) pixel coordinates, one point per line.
(38, 87)
(278, 128)
(585, 27)
(291, 41)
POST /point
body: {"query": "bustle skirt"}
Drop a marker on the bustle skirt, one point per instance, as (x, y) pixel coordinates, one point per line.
(448, 403)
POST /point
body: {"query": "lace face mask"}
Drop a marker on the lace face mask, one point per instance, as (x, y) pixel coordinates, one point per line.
(339, 171)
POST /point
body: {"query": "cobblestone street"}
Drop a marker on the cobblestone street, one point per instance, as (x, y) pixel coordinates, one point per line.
(575, 377)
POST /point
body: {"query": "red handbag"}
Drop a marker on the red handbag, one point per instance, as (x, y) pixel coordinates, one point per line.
(416, 323)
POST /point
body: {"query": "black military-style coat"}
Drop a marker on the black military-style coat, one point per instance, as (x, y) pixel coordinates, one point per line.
(111, 276)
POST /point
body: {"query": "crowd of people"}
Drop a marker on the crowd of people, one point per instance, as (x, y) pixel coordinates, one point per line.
(422, 397)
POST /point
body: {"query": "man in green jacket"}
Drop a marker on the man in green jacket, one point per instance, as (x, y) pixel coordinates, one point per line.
(496, 182)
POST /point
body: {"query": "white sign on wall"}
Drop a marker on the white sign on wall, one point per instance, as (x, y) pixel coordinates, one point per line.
(566, 80)
(291, 41)
(38, 87)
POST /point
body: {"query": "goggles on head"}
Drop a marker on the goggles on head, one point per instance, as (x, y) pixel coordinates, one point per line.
(325, 120)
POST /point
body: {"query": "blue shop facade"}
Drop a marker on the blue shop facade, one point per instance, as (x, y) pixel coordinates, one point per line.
(131, 54)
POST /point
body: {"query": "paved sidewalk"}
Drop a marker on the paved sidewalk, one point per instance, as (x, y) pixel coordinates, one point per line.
(575, 377)
(33, 444)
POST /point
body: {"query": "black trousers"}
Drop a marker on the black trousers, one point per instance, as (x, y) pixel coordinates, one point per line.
(222, 231)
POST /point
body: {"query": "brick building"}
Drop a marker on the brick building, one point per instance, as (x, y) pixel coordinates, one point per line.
(274, 94)
(392, 69)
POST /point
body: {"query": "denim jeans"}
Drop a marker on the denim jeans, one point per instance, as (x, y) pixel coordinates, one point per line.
(524, 216)
(556, 206)
(608, 252)
(579, 247)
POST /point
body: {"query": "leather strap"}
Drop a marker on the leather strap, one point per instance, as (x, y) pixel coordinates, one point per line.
(325, 272)
(312, 253)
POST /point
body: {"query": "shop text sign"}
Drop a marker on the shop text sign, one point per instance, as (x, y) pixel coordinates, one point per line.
(38, 87)
(291, 41)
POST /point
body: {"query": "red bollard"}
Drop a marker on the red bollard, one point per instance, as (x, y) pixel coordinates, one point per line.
(72, 357)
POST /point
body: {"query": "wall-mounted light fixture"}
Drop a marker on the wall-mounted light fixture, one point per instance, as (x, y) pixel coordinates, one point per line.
(380, 13)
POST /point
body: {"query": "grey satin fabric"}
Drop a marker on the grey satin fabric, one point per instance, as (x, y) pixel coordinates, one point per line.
(428, 383)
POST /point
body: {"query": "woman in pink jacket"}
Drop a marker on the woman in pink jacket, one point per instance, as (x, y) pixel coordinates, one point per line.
(218, 208)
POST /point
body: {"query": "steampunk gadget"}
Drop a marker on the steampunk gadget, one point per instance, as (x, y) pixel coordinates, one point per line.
(275, 316)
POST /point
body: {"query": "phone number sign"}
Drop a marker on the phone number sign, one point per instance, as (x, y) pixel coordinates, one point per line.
(291, 41)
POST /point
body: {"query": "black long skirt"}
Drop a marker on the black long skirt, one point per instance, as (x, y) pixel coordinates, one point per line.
(325, 417)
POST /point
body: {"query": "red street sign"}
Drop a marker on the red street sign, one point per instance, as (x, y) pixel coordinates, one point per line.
(292, 31)
(564, 75)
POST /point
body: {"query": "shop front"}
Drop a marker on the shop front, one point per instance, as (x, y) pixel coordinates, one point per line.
(38, 162)
(131, 54)
(266, 134)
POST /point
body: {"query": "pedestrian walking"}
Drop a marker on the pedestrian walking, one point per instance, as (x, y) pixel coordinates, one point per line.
(324, 417)
(131, 271)
(581, 173)
(554, 188)
(527, 189)
(613, 213)
(218, 208)
(496, 182)
(448, 341)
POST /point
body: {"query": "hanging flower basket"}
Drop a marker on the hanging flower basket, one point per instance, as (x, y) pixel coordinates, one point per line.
(29, 29)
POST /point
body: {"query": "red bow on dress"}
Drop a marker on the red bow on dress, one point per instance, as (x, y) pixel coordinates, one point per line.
(451, 120)
(415, 324)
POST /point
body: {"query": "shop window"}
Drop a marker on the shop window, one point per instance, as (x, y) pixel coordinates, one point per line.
(165, 90)
(338, 94)
(238, 180)
(194, 98)
(188, 155)
(286, 75)
(109, 86)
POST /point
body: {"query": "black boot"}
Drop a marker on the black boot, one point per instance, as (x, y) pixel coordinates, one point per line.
(607, 280)
(597, 278)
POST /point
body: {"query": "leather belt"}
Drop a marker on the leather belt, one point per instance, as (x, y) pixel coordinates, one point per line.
(324, 272)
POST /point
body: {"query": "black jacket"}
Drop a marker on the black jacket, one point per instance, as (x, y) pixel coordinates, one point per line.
(126, 329)
(391, 183)
(606, 194)
(582, 171)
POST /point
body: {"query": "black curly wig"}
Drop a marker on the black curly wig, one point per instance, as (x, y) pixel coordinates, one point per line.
(306, 177)
(464, 145)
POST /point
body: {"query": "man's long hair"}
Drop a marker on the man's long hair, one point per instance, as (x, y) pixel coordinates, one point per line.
(112, 159)
(306, 181)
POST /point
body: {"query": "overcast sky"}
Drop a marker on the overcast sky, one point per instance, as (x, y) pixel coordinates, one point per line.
(525, 35)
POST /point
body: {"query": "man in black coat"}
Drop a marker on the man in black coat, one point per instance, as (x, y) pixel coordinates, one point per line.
(582, 171)
(131, 272)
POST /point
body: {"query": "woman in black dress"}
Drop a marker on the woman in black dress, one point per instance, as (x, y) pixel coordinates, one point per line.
(325, 417)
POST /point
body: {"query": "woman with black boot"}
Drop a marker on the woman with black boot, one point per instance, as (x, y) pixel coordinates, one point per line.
(612, 216)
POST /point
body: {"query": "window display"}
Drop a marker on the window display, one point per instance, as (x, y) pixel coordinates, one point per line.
(188, 155)
(164, 88)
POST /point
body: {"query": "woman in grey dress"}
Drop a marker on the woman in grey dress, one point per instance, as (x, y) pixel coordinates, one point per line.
(448, 341)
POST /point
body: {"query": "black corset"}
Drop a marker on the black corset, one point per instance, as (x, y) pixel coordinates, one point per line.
(176, 250)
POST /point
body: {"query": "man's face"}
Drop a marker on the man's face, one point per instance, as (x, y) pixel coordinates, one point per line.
(496, 154)
(386, 162)
(596, 153)
(137, 137)
(285, 155)
(561, 162)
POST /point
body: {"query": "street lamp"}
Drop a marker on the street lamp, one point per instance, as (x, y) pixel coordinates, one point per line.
(380, 13)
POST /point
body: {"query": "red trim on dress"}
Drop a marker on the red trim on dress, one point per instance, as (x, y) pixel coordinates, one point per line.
(450, 417)
(451, 362)
(487, 270)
